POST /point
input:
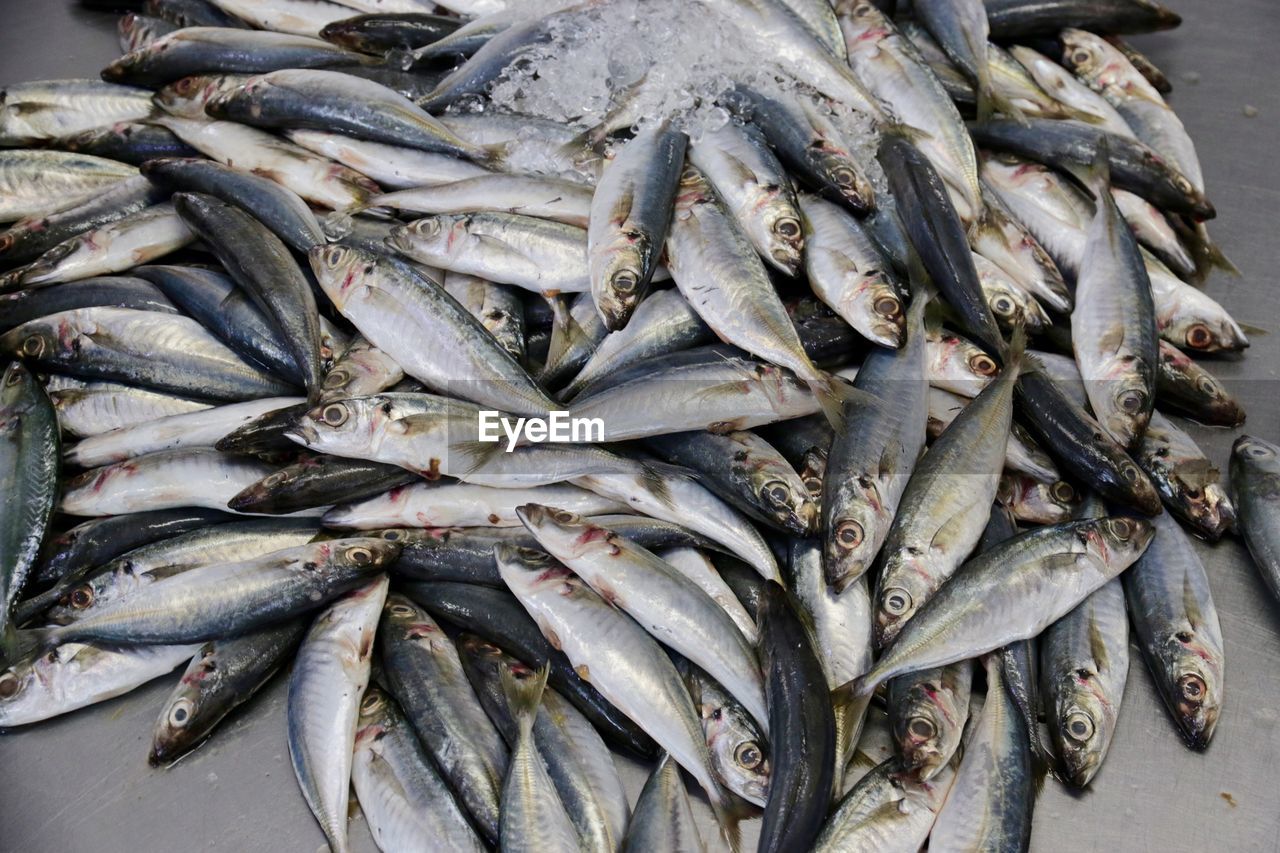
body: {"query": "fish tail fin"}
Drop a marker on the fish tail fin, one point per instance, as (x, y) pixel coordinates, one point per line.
(1208, 255)
(524, 696)
(729, 811)
(16, 645)
(1016, 349)
(836, 396)
(991, 101)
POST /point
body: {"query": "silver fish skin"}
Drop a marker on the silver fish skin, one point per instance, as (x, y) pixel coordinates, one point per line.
(529, 195)
(536, 254)
(1185, 478)
(849, 274)
(1068, 89)
(1009, 244)
(360, 371)
(662, 323)
(754, 186)
(423, 671)
(1113, 324)
(111, 248)
(462, 505)
(1153, 231)
(1255, 475)
(176, 432)
(1084, 664)
(820, 19)
(620, 660)
(92, 408)
(1010, 304)
(945, 505)
(663, 818)
(186, 98)
(195, 477)
(497, 307)
(960, 28)
(1022, 454)
(719, 273)
(630, 213)
(75, 675)
(533, 816)
(895, 71)
(738, 749)
(137, 31)
(407, 804)
(576, 329)
(695, 565)
(663, 601)
(331, 100)
(29, 451)
(1189, 318)
(316, 179)
(1176, 626)
(393, 166)
(1011, 592)
(530, 145)
(398, 310)
(52, 109)
(226, 599)
(889, 810)
(871, 458)
(956, 364)
(927, 713)
(674, 497)
(327, 684)
(36, 183)
(296, 17)
(991, 799)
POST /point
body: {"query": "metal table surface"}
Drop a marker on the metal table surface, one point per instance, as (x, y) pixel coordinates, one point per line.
(82, 782)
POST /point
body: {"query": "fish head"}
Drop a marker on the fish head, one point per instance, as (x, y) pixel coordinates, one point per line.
(18, 391)
(783, 233)
(787, 497)
(367, 554)
(563, 533)
(1041, 503)
(621, 280)
(20, 686)
(1203, 331)
(927, 727)
(1118, 540)
(958, 364)
(1091, 58)
(430, 236)
(1254, 456)
(863, 25)
(529, 571)
(845, 180)
(1193, 684)
(342, 270)
(738, 752)
(907, 581)
(1085, 719)
(851, 539)
(181, 724)
(349, 425)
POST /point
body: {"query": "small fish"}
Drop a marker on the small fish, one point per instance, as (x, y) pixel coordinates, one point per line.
(1254, 477)
(1186, 479)
(663, 818)
(928, 711)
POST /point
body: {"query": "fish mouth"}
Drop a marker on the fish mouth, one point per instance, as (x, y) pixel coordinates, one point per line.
(303, 434)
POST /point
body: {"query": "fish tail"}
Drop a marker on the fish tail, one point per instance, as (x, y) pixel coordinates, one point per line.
(524, 697)
(1016, 349)
(990, 100)
(729, 812)
(16, 645)
(1208, 255)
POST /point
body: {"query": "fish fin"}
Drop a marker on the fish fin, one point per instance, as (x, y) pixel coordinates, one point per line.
(479, 451)
(524, 696)
(910, 133)
(836, 396)
(1016, 350)
(1205, 253)
(16, 645)
(729, 811)
(1253, 330)
(990, 100)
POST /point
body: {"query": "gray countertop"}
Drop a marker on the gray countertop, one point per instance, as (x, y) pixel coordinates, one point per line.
(82, 782)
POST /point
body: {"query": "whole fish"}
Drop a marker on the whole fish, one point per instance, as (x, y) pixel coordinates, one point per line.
(326, 687)
(663, 818)
(928, 711)
(46, 110)
(29, 451)
(530, 195)
(377, 33)
(1084, 664)
(163, 480)
(401, 794)
(111, 248)
(75, 675)
(631, 670)
(1185, 387)
(1177, 628)
(92, 408)
(630, 213)
(849, 274)
(738, 749)
(223, 675)
(314, 481)
(398, 310)
(889, 810)
(754, 186)
(871, 458)
(1011, 592)
(1014, 18)
(1254, 477)
(422, 670)
(461, 505)
(991, 799)
(1185, 478)
(117, 291)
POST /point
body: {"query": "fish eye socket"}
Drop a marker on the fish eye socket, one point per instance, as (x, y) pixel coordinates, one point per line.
(13, 377)
(1003, 306)
(777, 492)
(360, 556)
(844, 177)
(888, 306)
(1192, 687)
(372, 702)
(787, 227)
(1122, 528)
(896, 601)
(1183, 185)
(275, 479)
(334, 255)
(564, 516)
(337, 378)
(625, 282)
(81, 597)
(813, 485)
(10, 685)
(1199, 336)
(1131, 401)
(1259, 452)
(1080, 56)
(401, 610)
(849, 534)
(983, 365)
(922, 727)
(1079, 726)
(690, 175)
(391, 535)
(1062, 492)
(1130, 473)
(180, 712)
(33, 346)
(335, 415)
(1207, 385)
(748, 755)
(532, 555)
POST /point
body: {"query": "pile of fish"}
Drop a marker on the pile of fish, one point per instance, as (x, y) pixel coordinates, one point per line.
(878, 341)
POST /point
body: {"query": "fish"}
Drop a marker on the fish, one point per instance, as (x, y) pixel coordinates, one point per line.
(114, 247)
(889, 809)
(739, 751)
(1068, 89)
(313, 481)
(1035, 502)
(127, 142)
(46, 110)
(395, 167)
(326, 688)
(1011, 592)
(663, 818)
(530, 195)
(118, 291)
(377, 33)
(631, 210)
(1176, 626)
(1009, 245)
(1084, 664)
(1184, 386)
(222, 676)
(287, 16)
(92, 408)
(956, 364)
(1186, 479)
(1253, 484)
(960, 28)
(137, 31)
(186, 98)
(1022, 454)
(576, 329)
(361, 371)
(928, 711)
(401, 793)
(165, 479)
(1018, 18)
(460, 505)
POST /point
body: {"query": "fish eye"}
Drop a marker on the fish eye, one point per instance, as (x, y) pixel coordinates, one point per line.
(1207, 385)
(1183, 185)
(401, 610)
(1132, 401)
(180, 712)
(1130, 473)
(81, 597)
(1062, 492)
(748, 755)
(13, 376)
(532, 555)
(335, 414)
(787, 227)
(983, 364)
(334, 255)
(690, 175)
(1121, 528)
(863, 10)
(371, 703)
(1192, 687)
(359, 555)
(275, 479)
(391, 535)
(1003, 306)
(1257, 451)
(923, 728)
(813, 485)
(777, 492)
(1080, 56)
(896, 601)
(849, 534)
(33, 346)
(1199, 336)
(10, 685)
(1079, 726)
(337, 378)
(564, 516)
(844, 177)
(625, 282)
